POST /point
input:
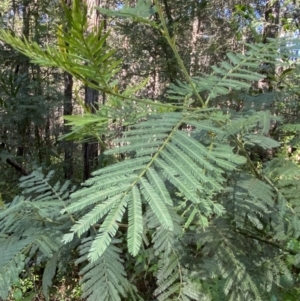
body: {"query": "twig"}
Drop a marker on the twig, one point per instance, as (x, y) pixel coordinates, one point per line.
(17, 166)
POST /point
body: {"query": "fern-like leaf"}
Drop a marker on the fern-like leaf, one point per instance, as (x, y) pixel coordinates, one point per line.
(32, 225)
(105, 275)
(161, 157)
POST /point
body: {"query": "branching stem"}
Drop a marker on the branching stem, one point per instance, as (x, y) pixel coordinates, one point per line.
(172, 44)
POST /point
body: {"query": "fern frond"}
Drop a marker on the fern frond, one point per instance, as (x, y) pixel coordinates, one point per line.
(49, 272)
(164, 240)
(251, 201)
(259, 102)
(285, 175)
(234, 74)
(262, 141)
(84, 55)
(173, 282)
(15, 247)
(32, 225)
(225, 253)
(9, 273)
(293, 127)
(105, 275)
(194, 165)
(142, 11)
(260, 121)
(40, 203)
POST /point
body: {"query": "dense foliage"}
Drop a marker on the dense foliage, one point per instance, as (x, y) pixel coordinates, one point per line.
(195, 196)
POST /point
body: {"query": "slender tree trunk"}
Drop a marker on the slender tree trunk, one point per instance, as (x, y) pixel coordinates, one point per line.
(271, 30)
(171, 62)
(68, 110)
(23, 68)
(38, 143)
(194, 60)
(272, 14)
(91, 150)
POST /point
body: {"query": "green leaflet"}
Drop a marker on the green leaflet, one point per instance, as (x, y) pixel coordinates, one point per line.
(135, 230)
(142, 11)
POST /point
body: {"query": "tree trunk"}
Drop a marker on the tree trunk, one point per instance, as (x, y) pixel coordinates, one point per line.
(272, 12)
(271, 30)
(90, 150)
(23, 68)
(68, 110)
(171, 62)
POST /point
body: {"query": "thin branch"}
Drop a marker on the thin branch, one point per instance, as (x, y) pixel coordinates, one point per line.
(17, 166)
(171, 40)
(271, 243)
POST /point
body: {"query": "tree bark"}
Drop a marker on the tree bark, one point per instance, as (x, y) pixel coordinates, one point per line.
(91, 150)
(68, 110)
(272, 12)
(17, 166)
(271, 30)
(171, 62)
(23, 68)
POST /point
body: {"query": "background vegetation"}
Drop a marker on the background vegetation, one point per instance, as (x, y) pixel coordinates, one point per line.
(149, 150)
